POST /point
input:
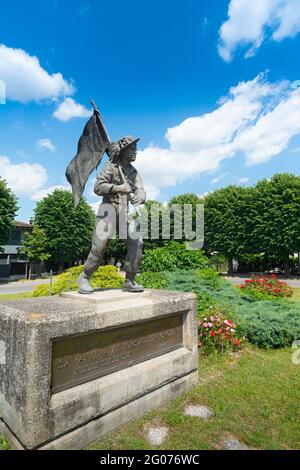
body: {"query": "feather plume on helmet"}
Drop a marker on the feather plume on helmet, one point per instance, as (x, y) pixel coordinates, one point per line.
(116, 148)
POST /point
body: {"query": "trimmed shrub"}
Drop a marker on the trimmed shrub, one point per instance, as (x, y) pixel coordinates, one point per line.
(270, 324)
(171, 257)
(152, 280)
(267, 324)
(207, 294)
(104, 277)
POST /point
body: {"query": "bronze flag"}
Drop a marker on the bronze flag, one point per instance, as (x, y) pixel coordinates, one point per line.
(92, 145)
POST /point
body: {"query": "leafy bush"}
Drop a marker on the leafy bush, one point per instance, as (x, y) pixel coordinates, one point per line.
(104, 277)
(211, 275)
(265, 287)
(4, 445)
(204, 301)
(152, 280)
(267, 324)
(173, 256)
(218, 333)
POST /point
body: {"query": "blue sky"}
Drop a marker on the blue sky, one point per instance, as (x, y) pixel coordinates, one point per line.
(220, 75)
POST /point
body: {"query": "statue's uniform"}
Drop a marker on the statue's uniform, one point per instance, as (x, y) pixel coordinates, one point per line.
(104, 227)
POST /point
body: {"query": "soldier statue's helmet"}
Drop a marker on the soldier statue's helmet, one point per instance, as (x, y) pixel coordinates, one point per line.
(116, 148)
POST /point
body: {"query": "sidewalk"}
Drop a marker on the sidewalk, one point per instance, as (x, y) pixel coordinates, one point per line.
(16, 287)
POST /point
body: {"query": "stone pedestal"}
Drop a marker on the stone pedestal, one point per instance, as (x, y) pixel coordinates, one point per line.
(75, 367)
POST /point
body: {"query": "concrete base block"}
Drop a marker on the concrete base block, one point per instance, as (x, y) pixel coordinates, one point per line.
(73, 368)
(99, 427)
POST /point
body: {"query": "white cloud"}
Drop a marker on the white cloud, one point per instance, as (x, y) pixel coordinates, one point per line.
(84, 9)
(215, 180)
(204, 24)
(289, 20)
(250, 21)
(2, 92)
(257, 118)
(41, 193)
(70, 109)
(272, 131)
(243, 180)
(46, 144)
(26, 80)
(23, 178)
(27, 179)
(295, 150)
(21, 154)
(218, 178)
(90, 188)
(95, 206)
(203, 195)
(152, 192)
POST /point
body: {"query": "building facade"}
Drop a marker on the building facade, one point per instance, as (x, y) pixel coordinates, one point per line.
(10, 264)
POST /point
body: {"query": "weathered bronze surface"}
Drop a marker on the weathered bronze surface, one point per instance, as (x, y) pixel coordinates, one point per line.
(78, 359)
(118, 183)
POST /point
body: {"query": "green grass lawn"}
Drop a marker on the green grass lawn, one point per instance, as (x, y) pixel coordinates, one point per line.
(254, 394)
(21, 295)
(296, 295)
(255, 397)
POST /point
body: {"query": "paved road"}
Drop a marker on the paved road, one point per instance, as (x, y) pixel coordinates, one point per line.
(236, 280)
(20, 286)
(28, 286)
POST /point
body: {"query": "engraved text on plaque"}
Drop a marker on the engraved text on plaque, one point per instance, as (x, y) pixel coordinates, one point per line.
(78, 359)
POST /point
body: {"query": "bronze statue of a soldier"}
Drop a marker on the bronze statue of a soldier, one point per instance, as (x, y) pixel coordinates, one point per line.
(118, 182)
(110, 185)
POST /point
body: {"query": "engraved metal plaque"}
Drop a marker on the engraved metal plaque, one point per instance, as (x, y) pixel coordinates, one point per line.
(78, 359)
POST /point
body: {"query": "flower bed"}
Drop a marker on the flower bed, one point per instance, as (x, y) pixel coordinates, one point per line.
(218, 333)
(265, 287)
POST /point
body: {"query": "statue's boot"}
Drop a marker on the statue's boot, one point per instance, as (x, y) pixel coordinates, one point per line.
(84, 284)
(131, 286)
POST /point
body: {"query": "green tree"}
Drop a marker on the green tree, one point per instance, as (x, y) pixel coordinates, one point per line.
(151, 218)
(156, 212)
(187, 199)
(33, 247)
(8, 210)
(276, 216)
(68, 230)
(228, 222)
(171, 257)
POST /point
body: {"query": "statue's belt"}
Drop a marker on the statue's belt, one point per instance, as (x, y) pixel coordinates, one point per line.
(115, 199)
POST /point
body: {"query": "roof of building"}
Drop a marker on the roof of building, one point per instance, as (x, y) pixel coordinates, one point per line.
(23, 224)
